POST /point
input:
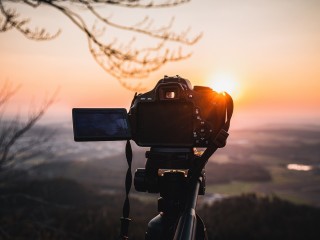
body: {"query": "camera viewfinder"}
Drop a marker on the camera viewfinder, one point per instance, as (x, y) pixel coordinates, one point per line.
(170, 94)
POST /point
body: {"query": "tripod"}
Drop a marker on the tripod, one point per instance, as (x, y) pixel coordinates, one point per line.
(166, 173)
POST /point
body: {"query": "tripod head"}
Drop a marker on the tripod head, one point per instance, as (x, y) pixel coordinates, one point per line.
(164, 166)
(166, 172)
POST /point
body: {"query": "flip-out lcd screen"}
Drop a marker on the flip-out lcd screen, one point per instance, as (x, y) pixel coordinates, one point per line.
(100, 124)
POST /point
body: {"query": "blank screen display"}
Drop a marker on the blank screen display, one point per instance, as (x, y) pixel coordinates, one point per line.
(100, 124)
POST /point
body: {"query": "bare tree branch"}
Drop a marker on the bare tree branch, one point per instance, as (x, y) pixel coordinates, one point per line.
(12, 130)
(7, 91)
(11, 19)
(123, 61)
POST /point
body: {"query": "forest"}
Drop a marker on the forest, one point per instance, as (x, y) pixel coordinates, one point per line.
(65, 209)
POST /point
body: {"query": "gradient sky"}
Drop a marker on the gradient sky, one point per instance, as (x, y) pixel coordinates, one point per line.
(270, 49)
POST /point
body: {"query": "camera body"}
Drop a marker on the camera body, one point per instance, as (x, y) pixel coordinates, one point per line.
(174, 114)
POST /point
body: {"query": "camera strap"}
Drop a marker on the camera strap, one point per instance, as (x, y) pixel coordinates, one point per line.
(125, 220)
(218, 142)
(186, 221)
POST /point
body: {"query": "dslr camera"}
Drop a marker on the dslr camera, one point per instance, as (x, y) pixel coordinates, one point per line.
(172, 119)
(173, 114)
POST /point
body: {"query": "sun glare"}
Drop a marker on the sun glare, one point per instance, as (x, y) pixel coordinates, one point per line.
(224, 83)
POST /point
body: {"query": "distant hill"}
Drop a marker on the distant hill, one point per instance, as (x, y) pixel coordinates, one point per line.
(64, 209)
(252, 217)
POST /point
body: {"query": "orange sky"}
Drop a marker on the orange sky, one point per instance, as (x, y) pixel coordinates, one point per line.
(271, 49)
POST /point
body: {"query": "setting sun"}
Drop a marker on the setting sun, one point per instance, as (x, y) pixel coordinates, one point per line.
(225, 83)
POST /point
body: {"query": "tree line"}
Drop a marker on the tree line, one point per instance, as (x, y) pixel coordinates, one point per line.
(64, 209)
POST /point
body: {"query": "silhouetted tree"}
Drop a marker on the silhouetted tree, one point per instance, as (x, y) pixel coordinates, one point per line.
(12, 148)
(121, 60)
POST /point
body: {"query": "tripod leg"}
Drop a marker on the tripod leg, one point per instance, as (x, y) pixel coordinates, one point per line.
(201, 231)
(160, 227)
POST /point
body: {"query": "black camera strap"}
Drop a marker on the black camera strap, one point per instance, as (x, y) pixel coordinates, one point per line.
(218, 142)
(125, 220)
